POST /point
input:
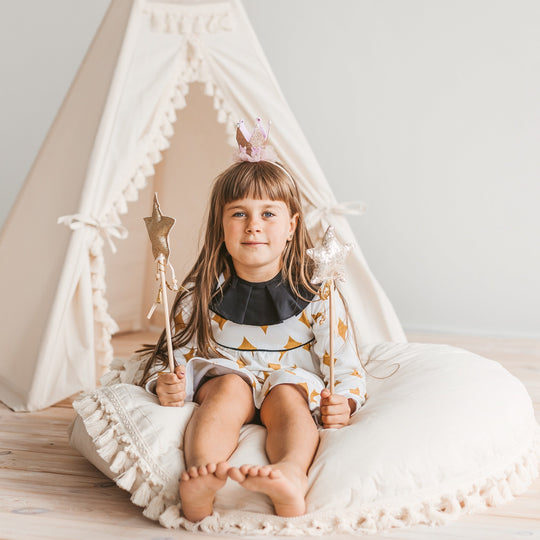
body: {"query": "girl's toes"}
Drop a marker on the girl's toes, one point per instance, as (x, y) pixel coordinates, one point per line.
(192, 471)
(236, 474)
(265, 470)
(184, 476)
(202, 470)
(221, 470)
(211, 468)
(244, 469)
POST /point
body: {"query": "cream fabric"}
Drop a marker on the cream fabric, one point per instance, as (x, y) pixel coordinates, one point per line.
(148, 61)
(449, 433)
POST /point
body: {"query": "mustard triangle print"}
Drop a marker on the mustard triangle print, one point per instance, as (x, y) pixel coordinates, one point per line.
(291, 372)
(307, 346)
(220, 320)
(266, 374)
(264, 328)
(342, 329)
(326, 359)
(355, 391)
(241, 363)
(356, 373)
(317, 316)
(247, 346)
(179, 321)
(189, 355)
(313, 396)
(292, 344)
(304, 386)
(281, 355)
(274, 366)
(254, 384)
(304, 319)
(337, 382)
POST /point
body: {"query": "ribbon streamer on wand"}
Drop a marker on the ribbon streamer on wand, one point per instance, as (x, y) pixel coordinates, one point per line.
(158, 227)
(329, 260)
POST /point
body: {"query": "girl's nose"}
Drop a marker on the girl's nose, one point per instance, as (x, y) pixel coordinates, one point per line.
(253, 226)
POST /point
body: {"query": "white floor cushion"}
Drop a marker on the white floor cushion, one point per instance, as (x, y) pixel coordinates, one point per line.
(449, 433)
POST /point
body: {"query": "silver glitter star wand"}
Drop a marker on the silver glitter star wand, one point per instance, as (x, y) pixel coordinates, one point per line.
(329, 260)
(158, 227)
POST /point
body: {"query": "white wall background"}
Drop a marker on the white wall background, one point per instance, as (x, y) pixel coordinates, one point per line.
(429, 111)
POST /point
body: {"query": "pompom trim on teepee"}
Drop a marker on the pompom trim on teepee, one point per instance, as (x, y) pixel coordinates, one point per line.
(192, 66)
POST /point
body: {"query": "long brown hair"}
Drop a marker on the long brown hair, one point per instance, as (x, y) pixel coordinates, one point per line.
(257, 180)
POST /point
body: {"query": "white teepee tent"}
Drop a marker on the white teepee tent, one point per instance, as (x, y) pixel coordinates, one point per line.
(115, 125)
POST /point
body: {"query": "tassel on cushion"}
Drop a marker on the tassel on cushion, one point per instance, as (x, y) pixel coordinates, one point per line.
(108, 450)
(118, 462)
(96, 428)
(127, 478)
(155, 508)
(105, 437)
(142, 495)
(171, 518)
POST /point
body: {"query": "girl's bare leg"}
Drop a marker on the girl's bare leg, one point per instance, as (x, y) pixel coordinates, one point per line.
(226, 404)
(291, 444)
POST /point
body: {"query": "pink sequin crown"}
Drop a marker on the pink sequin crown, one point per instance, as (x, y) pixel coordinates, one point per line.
(253, 146)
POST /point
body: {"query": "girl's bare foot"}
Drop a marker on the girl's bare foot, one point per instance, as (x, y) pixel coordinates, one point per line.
(285, 484)
(198, 486)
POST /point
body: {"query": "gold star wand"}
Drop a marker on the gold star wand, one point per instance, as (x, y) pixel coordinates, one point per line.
(158, 227)
(329, 260)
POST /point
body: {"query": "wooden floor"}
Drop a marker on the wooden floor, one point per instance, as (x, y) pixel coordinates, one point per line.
(48, 491)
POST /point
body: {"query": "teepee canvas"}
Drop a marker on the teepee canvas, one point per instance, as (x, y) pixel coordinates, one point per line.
(152, 108)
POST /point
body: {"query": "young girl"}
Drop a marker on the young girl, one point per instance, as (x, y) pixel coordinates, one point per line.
(251, 340)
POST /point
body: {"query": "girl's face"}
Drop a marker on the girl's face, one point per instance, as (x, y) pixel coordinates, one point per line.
(256, 233)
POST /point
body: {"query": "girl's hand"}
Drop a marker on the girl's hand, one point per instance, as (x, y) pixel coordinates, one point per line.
(171, 387)
(335, 410)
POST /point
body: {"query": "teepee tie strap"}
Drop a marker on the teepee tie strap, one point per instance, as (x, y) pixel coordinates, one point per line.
(76, 221)
(351, 207)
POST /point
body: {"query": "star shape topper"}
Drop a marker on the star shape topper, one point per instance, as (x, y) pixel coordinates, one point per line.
(158, 227)
(329, 258)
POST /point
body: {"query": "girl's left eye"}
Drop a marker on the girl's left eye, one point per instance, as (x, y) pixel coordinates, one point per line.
(239, 214)
(268, 214)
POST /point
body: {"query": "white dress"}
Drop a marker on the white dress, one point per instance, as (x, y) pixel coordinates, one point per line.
(295, 351)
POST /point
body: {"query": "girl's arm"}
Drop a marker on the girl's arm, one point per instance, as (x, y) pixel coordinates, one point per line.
(182, 355)
(349, 374)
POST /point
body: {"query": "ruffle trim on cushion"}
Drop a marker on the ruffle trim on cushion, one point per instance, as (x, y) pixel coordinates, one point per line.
(192, 66)
(490, 491)
(124, 370)
(136, 472)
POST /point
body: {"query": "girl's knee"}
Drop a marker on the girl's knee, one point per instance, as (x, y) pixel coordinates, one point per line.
(287, 392)
(284, 398)
(229, 387)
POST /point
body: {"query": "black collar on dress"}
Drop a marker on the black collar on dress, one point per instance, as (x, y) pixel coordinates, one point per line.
(258, 304)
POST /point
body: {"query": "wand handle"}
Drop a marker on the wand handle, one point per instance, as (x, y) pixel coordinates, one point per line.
(332, 325)
(161, 268)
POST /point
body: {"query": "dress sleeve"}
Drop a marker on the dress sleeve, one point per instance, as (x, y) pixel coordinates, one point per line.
(182, 355)
(349, 374)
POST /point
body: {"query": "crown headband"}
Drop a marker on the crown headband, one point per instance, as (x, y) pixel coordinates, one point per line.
(253, 146)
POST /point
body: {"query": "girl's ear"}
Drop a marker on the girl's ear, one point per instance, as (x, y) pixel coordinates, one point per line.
(292, 225)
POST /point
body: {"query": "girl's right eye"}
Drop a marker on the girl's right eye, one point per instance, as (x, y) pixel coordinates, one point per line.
(239, 214)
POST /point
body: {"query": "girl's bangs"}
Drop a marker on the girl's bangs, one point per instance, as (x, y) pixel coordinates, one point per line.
(257, 185)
